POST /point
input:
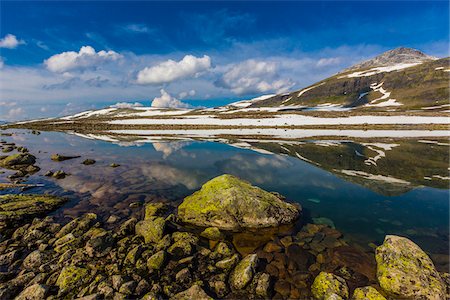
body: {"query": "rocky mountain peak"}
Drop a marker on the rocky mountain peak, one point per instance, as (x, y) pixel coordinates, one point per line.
(401, 55)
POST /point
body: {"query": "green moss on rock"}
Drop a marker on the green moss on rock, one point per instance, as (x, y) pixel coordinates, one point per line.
(329, 286)
(71, 277)
(367, 293)
(229, 203)
(152, 230)
(405, 271)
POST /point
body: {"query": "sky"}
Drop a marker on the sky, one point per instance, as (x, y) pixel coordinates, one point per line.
(59, 58)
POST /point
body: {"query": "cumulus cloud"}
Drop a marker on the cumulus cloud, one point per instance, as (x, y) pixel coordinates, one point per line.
(166, 100)
(87, 57)
(253, 76)
(171, 70)
(10, 41)
(126, 105)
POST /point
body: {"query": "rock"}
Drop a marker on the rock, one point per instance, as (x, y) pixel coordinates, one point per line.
(128, 287)
(327, 285)
(272, 247)
(405, 271)
(212, 233)
(58, 157)
(71, 277)
(194, 292)
(34, 260)
(133, 256)
(243, 272)
(367, 293)
(156, 261)
(33, 292)
(152, 209)
(180, 248)
(18, 159)
(114, 165)
(183, 276)
(263, 285)
(15, 209)
(152, 230)
(228, 203)
(88, 162)
(9, 257)
(117, 281)
(283, 288)
(228, 263)
(59, 174)
(99, 244)
(223, 250)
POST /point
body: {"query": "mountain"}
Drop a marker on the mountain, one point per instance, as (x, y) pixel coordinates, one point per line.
(397, 80)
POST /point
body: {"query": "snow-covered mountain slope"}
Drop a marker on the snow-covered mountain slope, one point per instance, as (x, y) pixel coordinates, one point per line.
(405, 79)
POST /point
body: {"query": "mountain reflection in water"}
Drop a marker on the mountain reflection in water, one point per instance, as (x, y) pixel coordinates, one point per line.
(365, 187)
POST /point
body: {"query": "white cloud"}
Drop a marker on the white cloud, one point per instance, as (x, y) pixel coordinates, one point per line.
(137, 28)
(2, 62)
(10, 41)
(171, 70)
(253, 76)
(85, 58)
(126, 105)
(166, 100)
(185, 94)
(325, 62)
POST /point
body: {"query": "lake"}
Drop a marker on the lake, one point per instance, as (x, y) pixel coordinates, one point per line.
(364, 187)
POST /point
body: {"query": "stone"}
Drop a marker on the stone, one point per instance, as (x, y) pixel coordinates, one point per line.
(71, 277)
(128, 287)
(133, 255)
(58, 157)
(152, 230)
(18, 159)
(243, 272)
(34, 260)
(152, 209)
(229, 203)
(33, 292)
(212, 233)
(59, 174)
(405, 271)
(367, 293)
(99, 244)
(183, 276)
(272, 247)
(156, 261)
(194, 292)
(327, 285)
(228, 263)
(180, 248)
(263, 285)
(88, 162)
(282, 287)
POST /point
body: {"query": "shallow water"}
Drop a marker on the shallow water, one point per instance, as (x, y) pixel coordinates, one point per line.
(365, 188)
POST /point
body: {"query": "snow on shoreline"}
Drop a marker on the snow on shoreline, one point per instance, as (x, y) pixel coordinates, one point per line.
(287, 120)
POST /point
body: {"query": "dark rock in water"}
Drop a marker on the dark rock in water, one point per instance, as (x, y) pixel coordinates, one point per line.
(405, 271)
(58, 157)
(228, 203)
(114, 165)
(48, 174)
(59, 174)
(88, 162)
(15, 209)
(300, 257)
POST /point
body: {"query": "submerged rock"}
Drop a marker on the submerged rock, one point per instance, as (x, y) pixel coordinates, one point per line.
(18, 159)
(405, 271)
(229, 203)
(88, 162)
(329, 286)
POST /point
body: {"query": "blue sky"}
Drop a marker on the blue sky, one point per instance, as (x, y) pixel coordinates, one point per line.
(63, 57)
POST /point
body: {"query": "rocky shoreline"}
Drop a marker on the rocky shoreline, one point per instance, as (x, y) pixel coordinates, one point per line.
(207, 248)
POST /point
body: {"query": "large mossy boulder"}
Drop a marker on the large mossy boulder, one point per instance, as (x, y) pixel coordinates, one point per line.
(16, 209)
(18, 159)
(405, 271)
(229, 203)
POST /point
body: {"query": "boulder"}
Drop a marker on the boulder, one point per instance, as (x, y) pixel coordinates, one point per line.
(194, 292)
(367, 292)
(33, 292)
(329, 286)
(243, 272)
(18, 159)
(156, 261)
(405, 271)
(71, 277)
(229, 203)
(152, 230)
(59, 157)
(212, 233)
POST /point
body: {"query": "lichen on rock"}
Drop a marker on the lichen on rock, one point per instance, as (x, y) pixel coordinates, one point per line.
(367, 293)
(405, 271)
(329, 286)
(229, 203)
